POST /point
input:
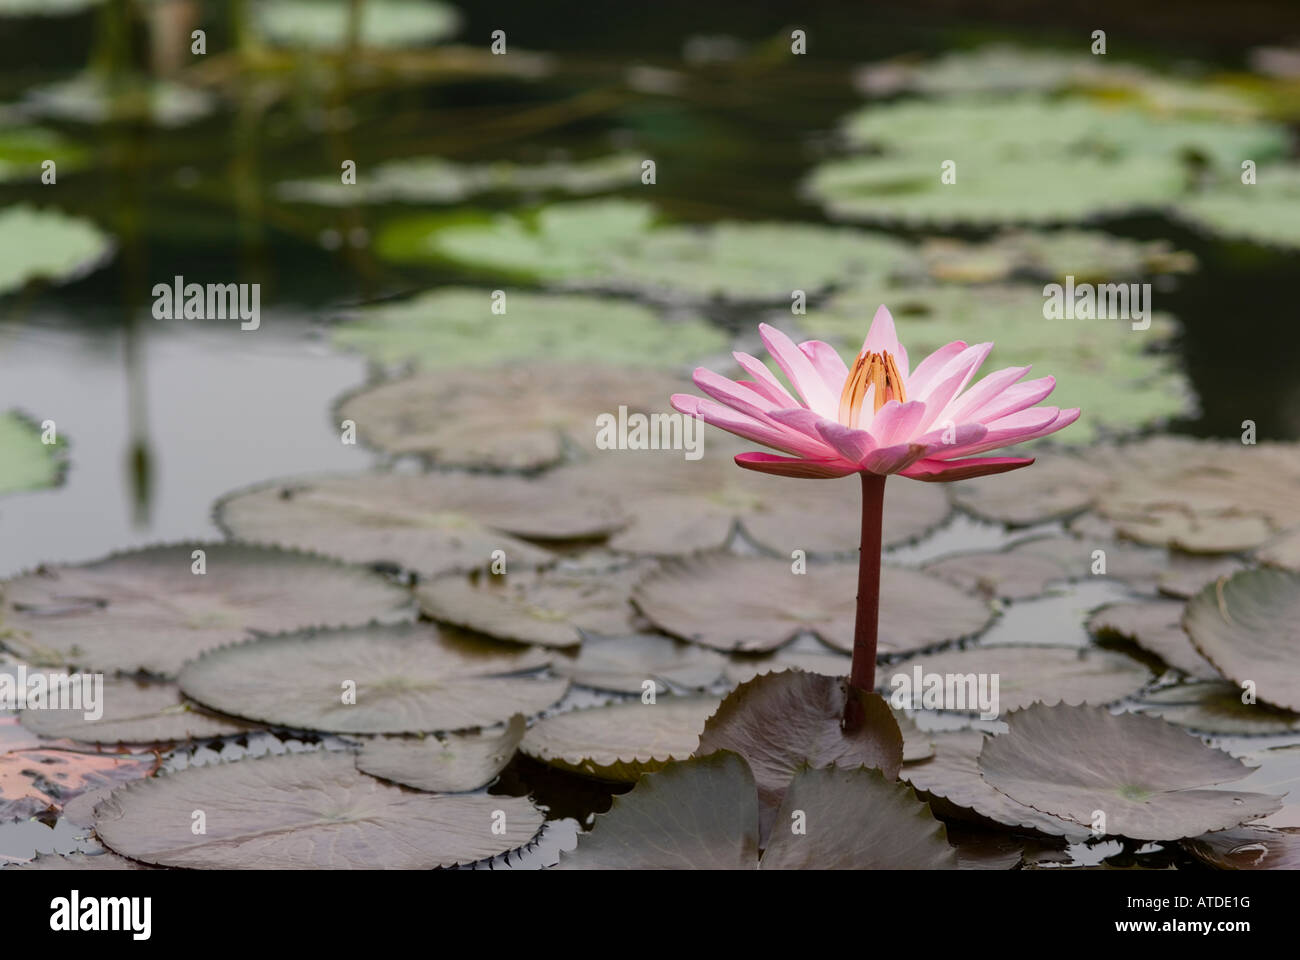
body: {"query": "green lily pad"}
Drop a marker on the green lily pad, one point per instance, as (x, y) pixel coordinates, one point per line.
(1246, 627)
(386, 24)
(134, 711)
(625, 664)
(436, 180)
(314, 811)
(1156, 626)
(622, 741)
(91, 97)
(512, 418)
(43, 8)
(953, 776)
(1149, 778)
(1248, 848)
(1267, 211)
(459, 763)
(784, 722)
(1104, 367)
(454, 327)
(547, 607)
(751, 604)
(25, 462)
(1217, 708)
(24, 149)
(407, 678)
(47, 245)
(702, 814)
(146, 610)
(1089, 256)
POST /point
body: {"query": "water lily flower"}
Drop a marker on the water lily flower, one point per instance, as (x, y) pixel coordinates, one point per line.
(876, 418)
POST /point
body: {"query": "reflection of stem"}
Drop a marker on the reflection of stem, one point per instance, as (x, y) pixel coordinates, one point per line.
(865, 629)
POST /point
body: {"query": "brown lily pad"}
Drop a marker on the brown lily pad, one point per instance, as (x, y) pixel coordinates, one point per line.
(1217, 708)
(625, 664)
(456, 763)
(1157, 627)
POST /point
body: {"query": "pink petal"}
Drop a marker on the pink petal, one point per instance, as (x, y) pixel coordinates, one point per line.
(940, 442)
(949, 382)
(886, 460)
(881, 336)
(1016, 428)
(852, 445)
(966, 406)
(829, 364)
(800, 371)
(765, 382)
(1015, 398)
(896, 422)
(737, 396)
(932, 365)
(787, 467)
(942, 471)
(764, 430)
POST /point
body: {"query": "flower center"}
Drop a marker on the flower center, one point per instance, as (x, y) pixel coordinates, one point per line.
(870, 369)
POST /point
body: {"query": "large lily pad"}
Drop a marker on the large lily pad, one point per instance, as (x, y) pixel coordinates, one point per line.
(306, 811)
(47, 245)
(1217, 708)
(782, 722)
(702, 814)
(431, 524)
(134, 711)
(513, 418)
(407, 678)
(751, 604)
(826, 662)
(1150, 779)
(146, 609)
(25, 462)
(1025, 674)
(1278, 772)
(1156, 626)
(953, 775)
(454, 764)
(24, 149)
(1058, 485)
(622, 741)
(625, 664)
(455, 327)
(1246, 627)
(548, 607)
(1267, 211)
(316, 25)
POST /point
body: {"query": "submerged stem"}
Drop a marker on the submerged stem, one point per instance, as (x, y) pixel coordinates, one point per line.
(863, 675)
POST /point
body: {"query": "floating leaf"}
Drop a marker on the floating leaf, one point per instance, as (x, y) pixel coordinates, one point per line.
(954, 776)
(456, 327)
(624, 664)
(741, 668)
(1188, 573)
(35, 781)
(1217, 708)
(1266, 211)
(91, 97)
(431, 524)
(1025, 674)
(1279, 773)
(43, 8)
(702, 814)
(1089, 256)
(1156, 626)
(133, 711)
(311, 811)
(23, 150)
(148, 610)
(408, 678)
(1248, 848)
(47, 245)
(1149, 778)
(387, 24)
(1058, 485)
(782, 722)
(514, 418)
(1284, 551)
(79, 861)
(25, 462)
(1246, 627)
(622, 741)
(750, 604)
(548, 607)
(457, 764)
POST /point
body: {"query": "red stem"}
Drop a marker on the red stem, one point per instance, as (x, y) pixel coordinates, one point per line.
(863, 675)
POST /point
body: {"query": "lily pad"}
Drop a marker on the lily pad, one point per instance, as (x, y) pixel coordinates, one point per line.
(1058, 485)
(1150, 779)
(1278, 772)
(79, 861)
(1246, 627)
(435, 180)
(1217, 708)
(146, 610)
(407, 678)
(1248, 848)
(1025, 674)
(702, 814)
(25, 462)
(33, 782)
(385, 24)
(1267, 211)
(1284, 551)
(1156, 626)
(741, 668)
(24, 149)
(134, 711)
(47, 245)
(1089, 256)
(548, 607)
(953, 775)
(90, 97)
(455, 327)
(781, 723)
(314, 811)
(621, 741)
(750, 604)
(459, 763)
(512, 418)
(432, 524)
(624, 664)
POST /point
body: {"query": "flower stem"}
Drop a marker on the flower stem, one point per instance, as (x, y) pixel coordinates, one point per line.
(863, 675)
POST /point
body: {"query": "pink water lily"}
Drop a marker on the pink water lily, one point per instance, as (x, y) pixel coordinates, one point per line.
(875, 419)
(878, 417)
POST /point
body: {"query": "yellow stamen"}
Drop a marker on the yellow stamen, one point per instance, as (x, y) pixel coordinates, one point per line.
(870, 370)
